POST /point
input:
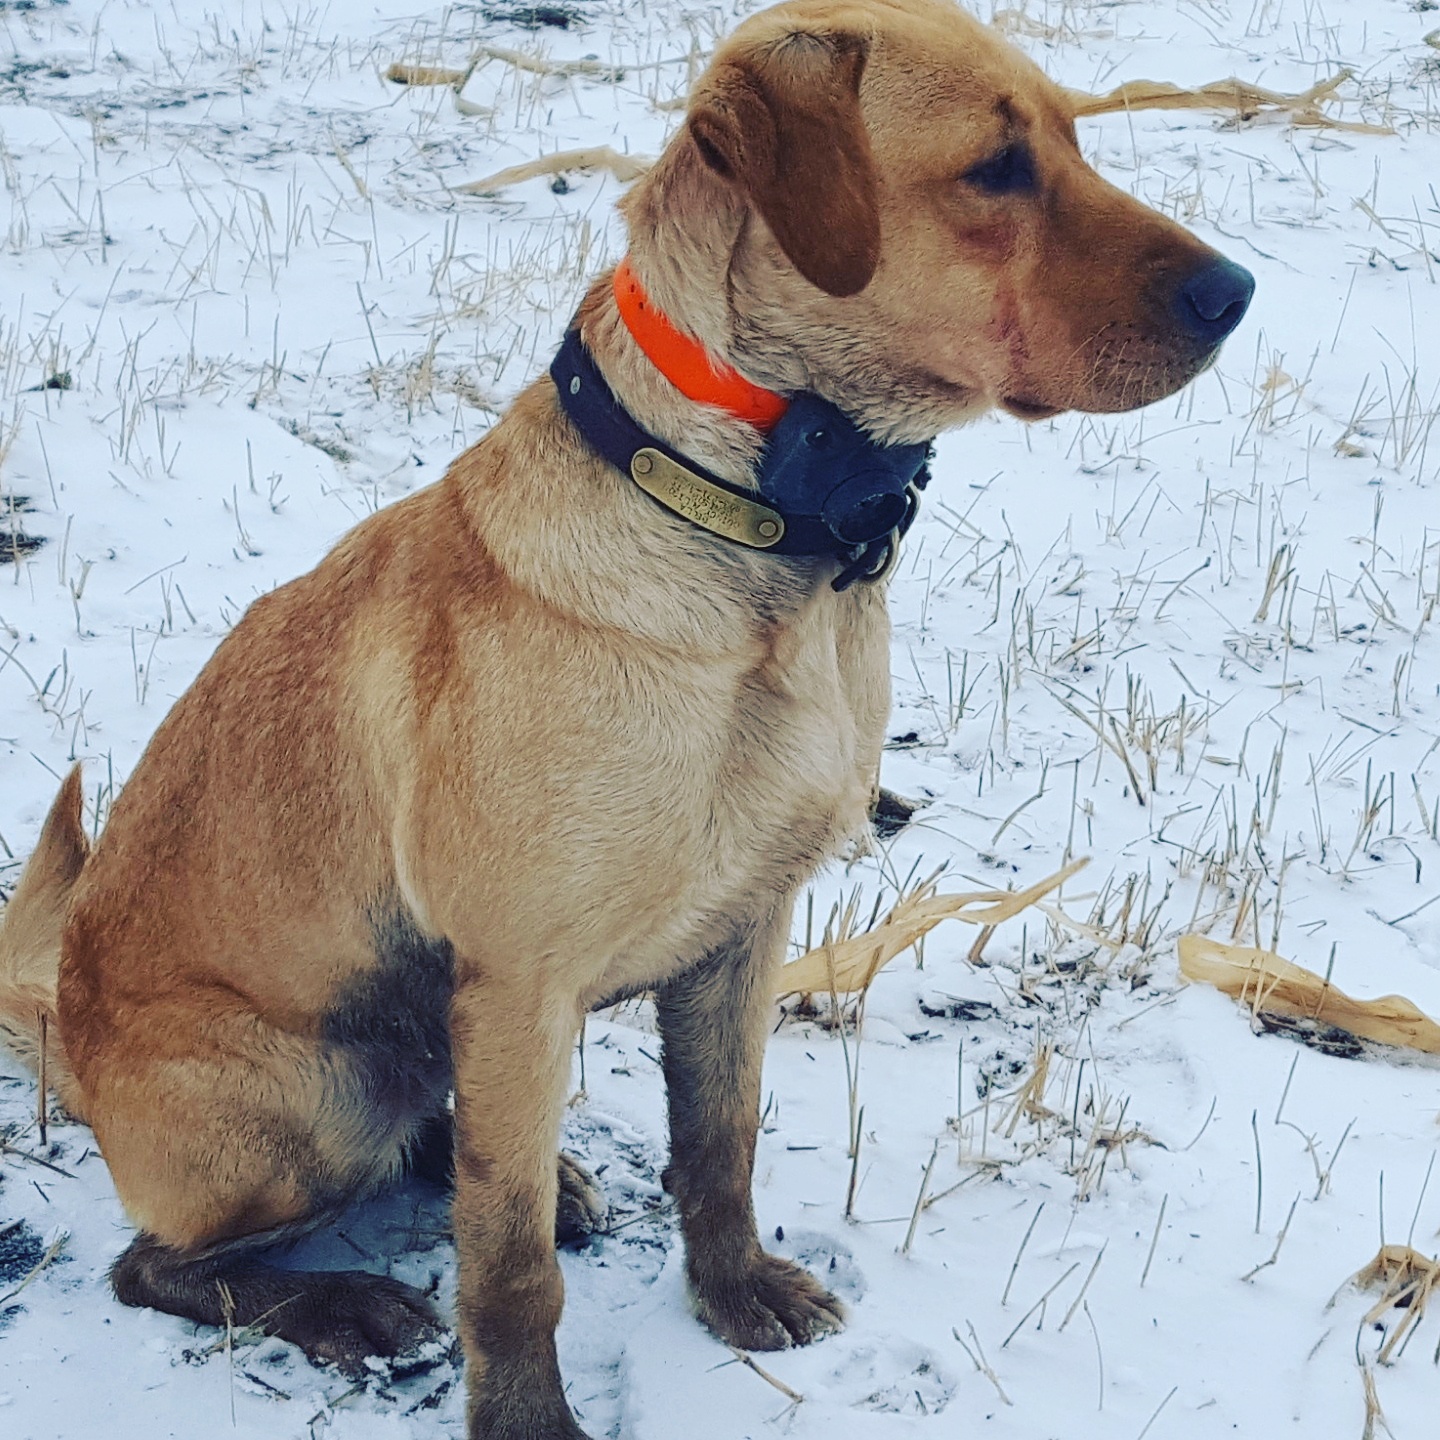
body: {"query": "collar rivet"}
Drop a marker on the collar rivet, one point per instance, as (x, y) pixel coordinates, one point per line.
(643, 463)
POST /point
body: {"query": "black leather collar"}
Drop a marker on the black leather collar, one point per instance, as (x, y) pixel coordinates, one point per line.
(826, 490)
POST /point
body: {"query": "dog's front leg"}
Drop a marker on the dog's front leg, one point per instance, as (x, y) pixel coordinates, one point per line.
(512, 1049)
(715, 1019)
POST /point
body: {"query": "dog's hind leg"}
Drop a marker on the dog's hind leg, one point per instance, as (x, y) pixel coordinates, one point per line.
(714, 1019)
(336, 1317)
(238, 1137)
(213, 1182)
(580, 1208)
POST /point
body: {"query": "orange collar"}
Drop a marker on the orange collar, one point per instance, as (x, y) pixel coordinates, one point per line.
(686, 364)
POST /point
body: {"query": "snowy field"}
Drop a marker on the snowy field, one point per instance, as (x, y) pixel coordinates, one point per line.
(242, 305)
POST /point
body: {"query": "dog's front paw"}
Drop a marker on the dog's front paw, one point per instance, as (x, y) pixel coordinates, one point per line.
(770, 1305)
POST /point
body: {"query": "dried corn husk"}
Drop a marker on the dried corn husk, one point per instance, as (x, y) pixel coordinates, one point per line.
(593, 157)
(1246, 101)
(1263, 981)
(1407, 1280)
(849, 965)
(401, 74)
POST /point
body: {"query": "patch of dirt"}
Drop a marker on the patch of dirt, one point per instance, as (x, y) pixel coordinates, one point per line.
(21, 1250)
(14, 542)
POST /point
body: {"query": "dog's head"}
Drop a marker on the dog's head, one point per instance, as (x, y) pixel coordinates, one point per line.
(882, 201)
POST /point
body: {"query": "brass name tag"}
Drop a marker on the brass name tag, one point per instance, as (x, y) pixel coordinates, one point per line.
(690, 495)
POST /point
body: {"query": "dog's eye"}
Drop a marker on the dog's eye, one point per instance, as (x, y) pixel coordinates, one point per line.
(1011, 172)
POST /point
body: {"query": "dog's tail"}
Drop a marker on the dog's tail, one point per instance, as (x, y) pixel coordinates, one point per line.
(30, 942)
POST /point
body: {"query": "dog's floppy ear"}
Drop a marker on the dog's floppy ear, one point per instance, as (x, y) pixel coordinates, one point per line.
(783, 124)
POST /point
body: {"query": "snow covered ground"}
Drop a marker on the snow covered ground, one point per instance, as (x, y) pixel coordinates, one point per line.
(241, 306)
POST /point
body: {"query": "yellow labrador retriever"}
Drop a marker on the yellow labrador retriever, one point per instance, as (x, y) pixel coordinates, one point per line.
(565, 727)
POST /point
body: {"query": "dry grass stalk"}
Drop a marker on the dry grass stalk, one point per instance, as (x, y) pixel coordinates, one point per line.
(1080, 1298)
(977, 950)
(982, 1168)
(1039, 1305)
(1265, 982)
(1083, 929)
(1374, 1415)
(849, 964)
(234, 1337)
(1015, 1264)
(51, 1254)
(1279, 1242)
(853, 1185)
(624, 168)
(42, 1095)
(1246, 101)
(1030, 1098)
(227, 1305)
(1156, 1415)
(1015, 21)
(793, 1396)
(1113, 743)
(6, 1148)
(329, 1407)
(920, 1199)
(978, 1360)
(356, 179)
(1154, 1241)
(1104, 1140)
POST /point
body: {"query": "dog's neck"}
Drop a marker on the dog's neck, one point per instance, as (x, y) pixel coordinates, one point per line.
(824, 490)
(566, 525)
(723, 442)
(684, 224)
(685, 227)
(686, 362)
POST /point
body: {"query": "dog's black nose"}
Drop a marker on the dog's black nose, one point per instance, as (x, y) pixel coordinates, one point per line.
(1211, 302)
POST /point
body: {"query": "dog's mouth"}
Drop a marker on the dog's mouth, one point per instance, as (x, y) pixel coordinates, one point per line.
(1028, 409)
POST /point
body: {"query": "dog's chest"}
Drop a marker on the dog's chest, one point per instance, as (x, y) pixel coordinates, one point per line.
(662, 800)
(757, 776)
